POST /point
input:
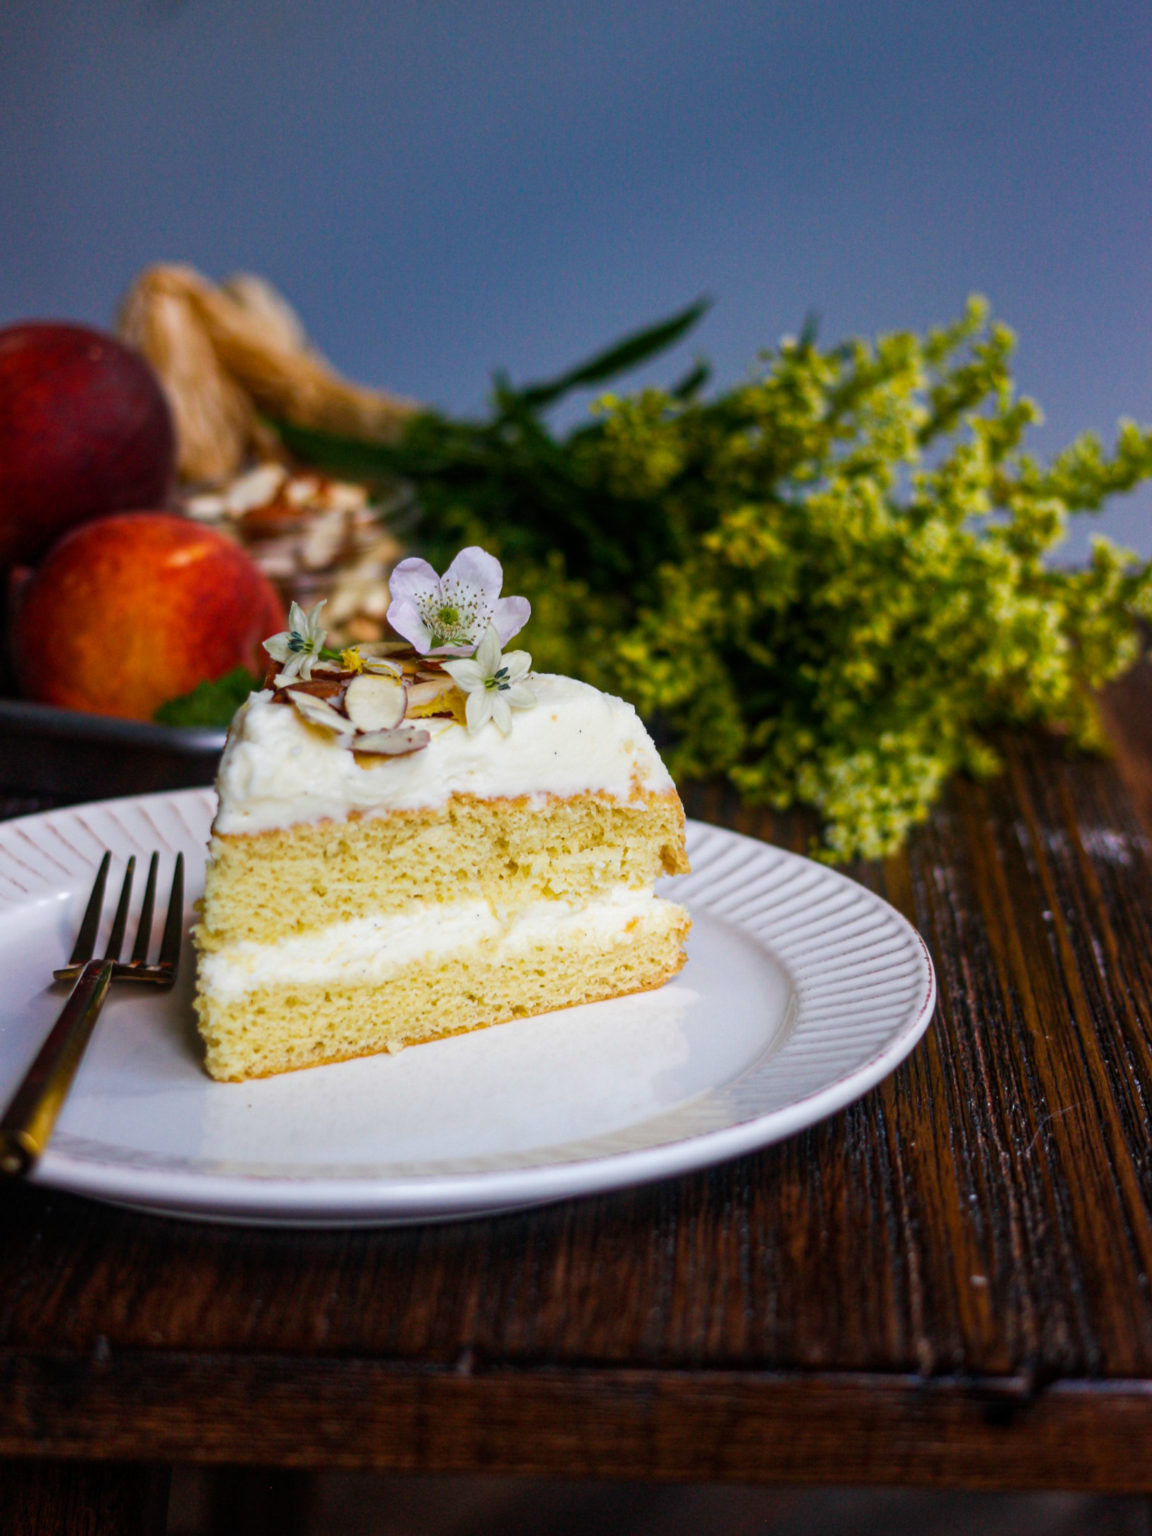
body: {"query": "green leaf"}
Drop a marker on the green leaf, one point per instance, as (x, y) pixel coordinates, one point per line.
(693, 381)
(830, 582)
(351, 458)
(624, 355)
(211, 703)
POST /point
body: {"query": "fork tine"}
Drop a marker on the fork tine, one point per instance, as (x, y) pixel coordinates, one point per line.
(144, 926)
(120, 921)
(90, 926)
(27, 1122)
(174, 922)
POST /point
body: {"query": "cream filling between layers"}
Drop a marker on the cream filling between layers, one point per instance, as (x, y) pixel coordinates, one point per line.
(367, 951)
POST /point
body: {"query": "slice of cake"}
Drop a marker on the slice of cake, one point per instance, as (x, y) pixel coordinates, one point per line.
(431, 840)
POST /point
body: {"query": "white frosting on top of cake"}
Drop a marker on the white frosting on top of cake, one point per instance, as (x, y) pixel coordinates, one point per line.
(277, 770)
(367, 951)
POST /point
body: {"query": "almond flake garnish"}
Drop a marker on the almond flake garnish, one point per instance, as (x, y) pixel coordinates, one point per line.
(375, 702)
(379, 664)
(427, 691)
(391, 743)
(316, 712)
(254, 489)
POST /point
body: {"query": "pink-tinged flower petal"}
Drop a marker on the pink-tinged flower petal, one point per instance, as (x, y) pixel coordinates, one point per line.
(512, 613)
(450, 650)
(412, 580)
(475, 567)
(412, 574)
(446, 616)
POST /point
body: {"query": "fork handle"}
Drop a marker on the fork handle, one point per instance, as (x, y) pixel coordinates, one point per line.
(27, 1123)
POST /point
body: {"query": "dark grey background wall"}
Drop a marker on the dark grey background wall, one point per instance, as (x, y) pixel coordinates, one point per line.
(447, 186)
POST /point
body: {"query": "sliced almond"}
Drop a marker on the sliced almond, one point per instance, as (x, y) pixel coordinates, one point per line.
(316, 712)
(254, 489)
(381, 664)
(439, 696)
(322, 542)
(343, 496)
(326, 687)
(375, 702)
(427, 692)
(205, 507)
(301, 489)
(391, 743)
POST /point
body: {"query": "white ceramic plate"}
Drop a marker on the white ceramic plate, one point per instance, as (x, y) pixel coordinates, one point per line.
(801, 992)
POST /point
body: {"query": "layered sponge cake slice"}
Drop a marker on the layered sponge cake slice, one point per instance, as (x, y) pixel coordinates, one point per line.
(360, 901)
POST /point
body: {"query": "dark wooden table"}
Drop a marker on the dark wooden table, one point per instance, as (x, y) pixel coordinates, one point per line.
(946, 1285)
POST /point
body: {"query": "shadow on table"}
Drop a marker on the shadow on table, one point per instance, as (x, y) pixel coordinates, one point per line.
(213, 1503)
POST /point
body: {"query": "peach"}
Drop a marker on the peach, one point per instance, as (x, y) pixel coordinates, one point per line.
(129, 611)
(85, 430)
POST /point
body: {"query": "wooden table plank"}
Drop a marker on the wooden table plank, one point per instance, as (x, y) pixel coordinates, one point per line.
(946, 1283)
(43, 1498)
(746, 1427)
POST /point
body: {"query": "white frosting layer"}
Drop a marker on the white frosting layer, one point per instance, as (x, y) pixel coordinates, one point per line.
(370, 950)
(277, 771)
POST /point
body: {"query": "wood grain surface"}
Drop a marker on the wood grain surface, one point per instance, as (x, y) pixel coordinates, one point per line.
(946, 1284)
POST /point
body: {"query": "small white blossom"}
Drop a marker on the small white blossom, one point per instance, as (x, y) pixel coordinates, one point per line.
(298, 647)
(494, 684)
(449, 615)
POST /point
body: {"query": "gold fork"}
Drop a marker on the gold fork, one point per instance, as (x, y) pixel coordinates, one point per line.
(27, 1123)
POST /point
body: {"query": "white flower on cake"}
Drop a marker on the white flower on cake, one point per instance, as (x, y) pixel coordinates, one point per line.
(300, 646)
(366, 701)
(494, 684)
(449, 615)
